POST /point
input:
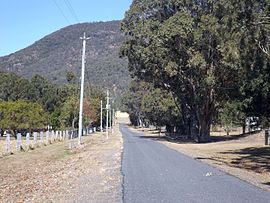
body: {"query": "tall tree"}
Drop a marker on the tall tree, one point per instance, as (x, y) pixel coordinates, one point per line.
(132, 101)
(254, 44)
(70, 113)
(15, 115)
(191, 48)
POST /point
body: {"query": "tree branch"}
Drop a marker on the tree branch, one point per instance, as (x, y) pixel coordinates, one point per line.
(264, 49)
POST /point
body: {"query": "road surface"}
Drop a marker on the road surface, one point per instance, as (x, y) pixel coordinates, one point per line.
(154, 173)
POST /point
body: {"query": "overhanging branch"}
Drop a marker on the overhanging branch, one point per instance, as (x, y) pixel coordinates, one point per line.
(264, 49)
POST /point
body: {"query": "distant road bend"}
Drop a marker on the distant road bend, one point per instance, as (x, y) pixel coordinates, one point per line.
(154, 173)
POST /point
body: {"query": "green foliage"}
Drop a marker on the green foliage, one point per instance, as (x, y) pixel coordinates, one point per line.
(46, 93)
(60, 102)
(71, 77)
(205, 52)
(93, 97)
(150, 105)
(13, 87)
(22, 115)
(132, 100)
(158, 107)
(70, 113)
(54, 118)
(231, 115)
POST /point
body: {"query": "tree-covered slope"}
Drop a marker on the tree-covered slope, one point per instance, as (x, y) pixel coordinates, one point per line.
(59, 52)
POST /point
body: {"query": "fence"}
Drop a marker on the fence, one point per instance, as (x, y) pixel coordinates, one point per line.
(267, 137)
(39, 139)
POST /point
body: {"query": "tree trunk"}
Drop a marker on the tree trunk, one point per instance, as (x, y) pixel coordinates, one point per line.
(184, 126)
(196, 118)
(205, 121)
(194, 127)
(73, 122)
(244, 127)
(204, 135)
(169, 128)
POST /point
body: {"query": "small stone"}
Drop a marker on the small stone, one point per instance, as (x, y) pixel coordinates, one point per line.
(208, 174)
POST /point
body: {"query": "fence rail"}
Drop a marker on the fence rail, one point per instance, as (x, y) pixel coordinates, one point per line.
(38, 139)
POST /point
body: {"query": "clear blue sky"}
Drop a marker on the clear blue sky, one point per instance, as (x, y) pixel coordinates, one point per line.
(25, 21)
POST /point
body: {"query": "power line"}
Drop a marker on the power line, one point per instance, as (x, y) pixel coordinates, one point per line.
(72, 11)
(61, 11)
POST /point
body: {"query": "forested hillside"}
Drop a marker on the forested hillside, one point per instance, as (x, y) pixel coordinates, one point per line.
(59, 52)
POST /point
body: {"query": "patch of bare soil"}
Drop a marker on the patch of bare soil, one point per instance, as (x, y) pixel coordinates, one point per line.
(55, 173)
(243, 156)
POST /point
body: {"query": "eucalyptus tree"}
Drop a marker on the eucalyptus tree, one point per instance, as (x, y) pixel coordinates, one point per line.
(132, 101)
(254, 45)
(159, 108)
(194, 48)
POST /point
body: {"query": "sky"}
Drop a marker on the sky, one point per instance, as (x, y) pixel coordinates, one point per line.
(22, 22)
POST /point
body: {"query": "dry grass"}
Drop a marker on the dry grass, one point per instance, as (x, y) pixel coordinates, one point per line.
(57, 174)
(3, 145)
(24, 147)
(244, 156)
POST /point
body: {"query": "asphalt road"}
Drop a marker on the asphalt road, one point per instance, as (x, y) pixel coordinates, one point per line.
(154, 173)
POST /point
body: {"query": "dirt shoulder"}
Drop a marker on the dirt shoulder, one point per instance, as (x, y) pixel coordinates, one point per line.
(245, 157)
(55, 173)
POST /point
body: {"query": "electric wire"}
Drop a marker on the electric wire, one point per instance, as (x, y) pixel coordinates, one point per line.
(72, 11)
(61, 11)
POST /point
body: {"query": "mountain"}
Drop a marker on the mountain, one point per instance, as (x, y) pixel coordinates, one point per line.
(59, 52)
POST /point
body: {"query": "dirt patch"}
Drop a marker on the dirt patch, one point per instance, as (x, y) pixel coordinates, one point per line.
(243, 156)
(55, 173)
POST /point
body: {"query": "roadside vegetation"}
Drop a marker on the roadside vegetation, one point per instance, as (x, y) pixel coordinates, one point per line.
(197, 64)
(27, 105)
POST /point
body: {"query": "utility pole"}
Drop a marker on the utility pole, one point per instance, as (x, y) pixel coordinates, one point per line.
(107, 115)
(101, 115)
(111, 117)
(112, 121)
(82, 88)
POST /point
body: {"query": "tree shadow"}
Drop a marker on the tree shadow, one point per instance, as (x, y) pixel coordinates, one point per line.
(183, 139)
(251, 158)
(178, 140)
(150, 131)
(267, 184)
(223, 138)
(158, 138)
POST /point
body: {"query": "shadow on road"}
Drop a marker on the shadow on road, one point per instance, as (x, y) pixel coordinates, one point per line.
(158, 138)
(179, 140)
